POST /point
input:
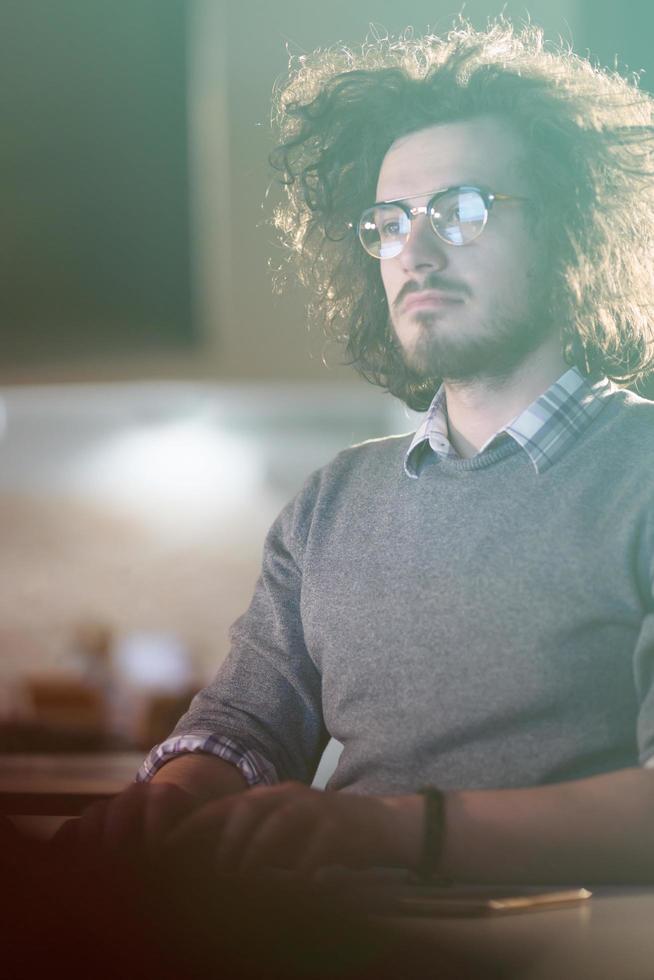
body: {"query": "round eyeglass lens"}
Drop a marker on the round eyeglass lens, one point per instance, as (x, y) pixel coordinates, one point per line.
(384, 230)
(459, 216)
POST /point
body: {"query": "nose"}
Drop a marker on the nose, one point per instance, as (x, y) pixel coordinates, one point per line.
(424, 249)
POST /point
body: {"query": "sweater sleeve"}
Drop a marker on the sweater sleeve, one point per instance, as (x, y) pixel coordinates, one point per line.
(266, 696)
(254, 768)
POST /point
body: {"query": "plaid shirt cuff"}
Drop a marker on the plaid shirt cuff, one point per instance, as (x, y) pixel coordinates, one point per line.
(255, 769)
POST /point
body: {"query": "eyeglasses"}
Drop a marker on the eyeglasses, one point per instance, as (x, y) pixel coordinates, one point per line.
(457, 215)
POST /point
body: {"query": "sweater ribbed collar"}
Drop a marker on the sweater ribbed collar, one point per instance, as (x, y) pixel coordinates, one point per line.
(545, 430)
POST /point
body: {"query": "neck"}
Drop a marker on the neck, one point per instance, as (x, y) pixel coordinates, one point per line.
(479, 408)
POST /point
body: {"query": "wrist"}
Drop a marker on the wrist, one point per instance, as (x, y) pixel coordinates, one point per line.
(404, 831)
(202, 775)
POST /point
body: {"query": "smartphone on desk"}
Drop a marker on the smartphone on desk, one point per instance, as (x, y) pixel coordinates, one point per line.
(483, 901)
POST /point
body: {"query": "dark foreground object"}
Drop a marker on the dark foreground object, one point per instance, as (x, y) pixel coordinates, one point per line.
(102, 917)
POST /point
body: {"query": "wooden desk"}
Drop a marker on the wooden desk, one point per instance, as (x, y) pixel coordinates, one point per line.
(610, 937)
(62, 785)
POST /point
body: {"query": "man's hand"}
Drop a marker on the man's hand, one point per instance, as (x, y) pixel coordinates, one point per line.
(134, 823)
(129, 827)
(300, 829)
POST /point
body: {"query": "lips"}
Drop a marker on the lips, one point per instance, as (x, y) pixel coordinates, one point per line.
(430, 299)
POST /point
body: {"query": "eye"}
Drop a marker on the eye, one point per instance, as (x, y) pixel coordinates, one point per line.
(390, 228)
(451, 211)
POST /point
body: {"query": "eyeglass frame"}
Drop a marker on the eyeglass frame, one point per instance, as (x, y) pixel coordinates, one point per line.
(488, 197)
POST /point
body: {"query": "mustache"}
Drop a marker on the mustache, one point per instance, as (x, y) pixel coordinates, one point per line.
(434, 281)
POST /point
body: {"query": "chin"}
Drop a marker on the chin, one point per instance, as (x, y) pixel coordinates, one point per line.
(423, 337)
(435, 353)
(435, 349)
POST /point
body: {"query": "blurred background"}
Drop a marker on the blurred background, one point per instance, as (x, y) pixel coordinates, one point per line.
(159, 402)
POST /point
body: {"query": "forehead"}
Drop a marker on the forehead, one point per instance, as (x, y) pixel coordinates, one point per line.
(483, 151)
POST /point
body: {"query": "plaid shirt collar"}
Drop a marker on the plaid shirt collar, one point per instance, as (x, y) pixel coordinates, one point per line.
(545, 429)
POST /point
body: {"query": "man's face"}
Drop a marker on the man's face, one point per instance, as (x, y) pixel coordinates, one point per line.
(476, 310)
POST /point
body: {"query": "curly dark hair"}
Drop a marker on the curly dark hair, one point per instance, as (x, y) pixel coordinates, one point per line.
(588, 138)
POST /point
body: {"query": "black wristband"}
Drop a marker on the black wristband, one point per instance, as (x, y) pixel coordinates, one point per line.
(433, 836)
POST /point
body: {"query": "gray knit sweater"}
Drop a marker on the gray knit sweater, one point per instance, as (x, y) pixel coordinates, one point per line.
(481, 626)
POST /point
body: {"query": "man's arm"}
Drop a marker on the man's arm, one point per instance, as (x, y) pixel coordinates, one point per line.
(265, 699)
(599, 829)
(596, 829)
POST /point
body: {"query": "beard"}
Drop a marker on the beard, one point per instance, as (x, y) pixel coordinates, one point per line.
(494, 353)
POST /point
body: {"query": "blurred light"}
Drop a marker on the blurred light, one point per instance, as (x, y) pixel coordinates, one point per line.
(153, 662)
(178, 476)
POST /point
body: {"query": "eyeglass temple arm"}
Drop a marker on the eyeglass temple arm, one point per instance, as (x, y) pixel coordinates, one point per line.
(508, 197)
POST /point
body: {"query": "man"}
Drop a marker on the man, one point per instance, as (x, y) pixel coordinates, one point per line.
(468, 608)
